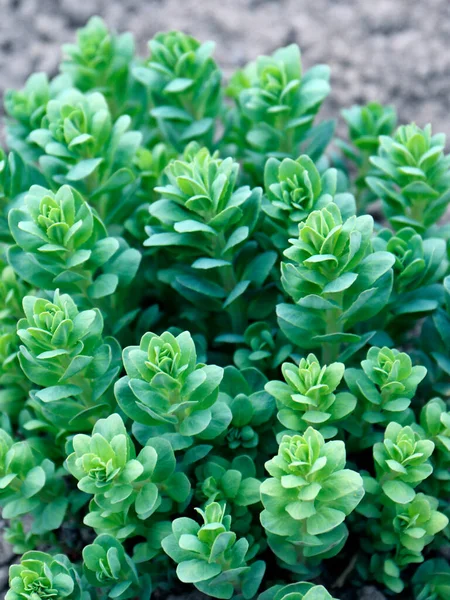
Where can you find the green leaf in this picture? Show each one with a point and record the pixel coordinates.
(192, 571)
(84, 169)
(398, 491)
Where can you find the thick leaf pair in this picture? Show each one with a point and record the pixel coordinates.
(335, 279)
(62, 243)
(171, 394)
(266, 347)
(211, 557)
(107, 467)
(234, 483)
(63, 351)
(307, 498)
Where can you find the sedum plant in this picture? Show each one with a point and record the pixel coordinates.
(211, 557)
(293, 190)
(276, 104)
(106, 565)
(64, 353)
(100, 60)
(335, 279)
(166, 388)
(308, 399)
(384, 387)
(412, 177)
(365, 126)
(216, 369)
(210, 222)
(107, 467)
(307, 498)
(183, 87)
(420, 264)
(40, 575)
(401, 462)
(62, 243)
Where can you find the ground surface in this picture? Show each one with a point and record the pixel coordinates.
(390, 50)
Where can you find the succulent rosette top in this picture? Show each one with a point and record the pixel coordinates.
(166, 387)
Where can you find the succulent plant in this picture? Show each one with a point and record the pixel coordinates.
(100, 61)
(276, 104)
(167, 388)
(211, 557)
(183, 83)
(401, 462)
(307, 498)
(308, 398)
(335, 279)
(40, 575)
(266, 320)
(365, 126)
(412, 177)
(62, 243)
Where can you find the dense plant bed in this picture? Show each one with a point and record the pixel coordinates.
(217, 368)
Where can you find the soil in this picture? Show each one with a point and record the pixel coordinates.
(393, 51)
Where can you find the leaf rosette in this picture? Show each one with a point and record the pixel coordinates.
(385, 386)
(293, 189)
(401, 462)
(64, 352)
(40, 575)
(307, 498)
(100, 61)
(335, 279)
(165, 388)
(107, 565)
(184, 85)
(308, 399)
(276, 104)
(62, 243)
(412, 177)
(211, 557)
(107, 467)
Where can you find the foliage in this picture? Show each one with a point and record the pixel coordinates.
(223, 362)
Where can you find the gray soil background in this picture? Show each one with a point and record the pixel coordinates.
(393, 51)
